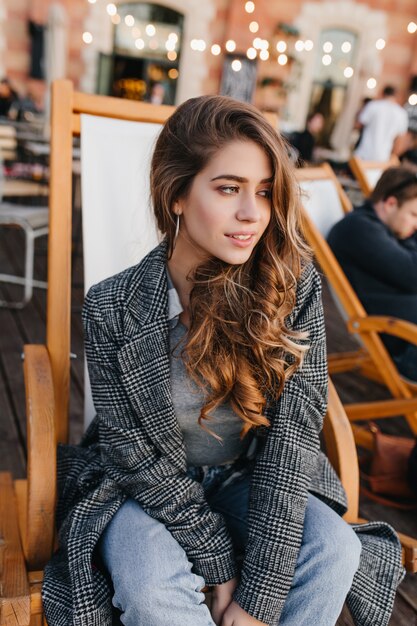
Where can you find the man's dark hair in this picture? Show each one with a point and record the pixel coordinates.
(389, 90)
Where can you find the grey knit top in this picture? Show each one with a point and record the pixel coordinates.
(202, 447)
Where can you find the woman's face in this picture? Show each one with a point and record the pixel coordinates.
(227, 208)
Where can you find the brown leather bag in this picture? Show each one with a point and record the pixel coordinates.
(385, 471)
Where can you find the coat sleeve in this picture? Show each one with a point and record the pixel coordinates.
(284, 468)
(133, 462)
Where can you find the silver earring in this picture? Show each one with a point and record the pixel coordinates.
(177, 227)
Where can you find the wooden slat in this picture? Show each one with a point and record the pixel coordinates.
(381, 409)
(39, 533)
(341, 450)
(13, 187)
(14, 588)
(59, 252)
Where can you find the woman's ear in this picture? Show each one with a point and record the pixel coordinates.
(177, 207)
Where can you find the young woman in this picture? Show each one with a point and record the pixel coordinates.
(208, 369)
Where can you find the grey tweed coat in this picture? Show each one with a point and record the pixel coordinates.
(134, 448)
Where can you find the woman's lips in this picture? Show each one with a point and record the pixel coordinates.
(241, 240)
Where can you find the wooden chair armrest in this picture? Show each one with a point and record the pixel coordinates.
(384, 324)
(38, 535)
(14, 586)
(341, 451)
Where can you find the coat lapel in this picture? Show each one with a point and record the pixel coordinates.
(144, 358)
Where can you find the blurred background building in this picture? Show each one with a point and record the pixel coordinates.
(293, 58)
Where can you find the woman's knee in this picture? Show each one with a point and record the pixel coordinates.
(331, 539)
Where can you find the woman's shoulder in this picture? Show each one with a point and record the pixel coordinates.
(308, 293)
(117, 292)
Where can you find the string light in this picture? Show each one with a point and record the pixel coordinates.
(172, 55)
(215, 49)
(92, 1)
(111, 9)
(299, 45)
(257, 43)
(371, 83)
(170, 45)
(173, 37)
(254, 27)
(150, 30)
(87, 37)
(308, 45)
(249, 7)
(348, 72)
(230, 45)
(326, 59)
(198, 45)
(129, 20)
(281, 46)
(327, 46)
(251, 53)
(412, 27)
(380, 44)
(140, 44)
(236, 65)
(346, 47)
(412, 99)
(264, 55)
(282, 59)
(173, 73)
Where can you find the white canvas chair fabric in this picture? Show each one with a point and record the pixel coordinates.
(373, 175)
(322, 203)
(118, 225)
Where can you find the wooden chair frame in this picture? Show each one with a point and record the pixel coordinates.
(372, 360)
(359, 167)
(27, 507)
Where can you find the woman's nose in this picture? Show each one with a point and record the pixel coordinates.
(248, 210)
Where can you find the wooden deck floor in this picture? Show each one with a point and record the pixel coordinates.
(18, 327)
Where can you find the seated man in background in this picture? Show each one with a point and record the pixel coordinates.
(304, 141)
(376, 245)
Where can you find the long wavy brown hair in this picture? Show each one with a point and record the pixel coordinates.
(238, 348)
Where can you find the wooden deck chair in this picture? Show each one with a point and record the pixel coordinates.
(367, 173)
(320, 189)
(27, 506)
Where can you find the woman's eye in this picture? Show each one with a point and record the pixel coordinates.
(265, 193)
(229, 189)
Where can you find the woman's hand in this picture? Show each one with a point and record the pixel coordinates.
(222, 597)
(234, 615)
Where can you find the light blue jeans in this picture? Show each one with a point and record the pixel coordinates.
(155, 586)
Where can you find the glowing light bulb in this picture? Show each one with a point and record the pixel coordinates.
(249, 7)
(348, 72)
(299, 45)
(346, 46)
(412, 27)
(87, 37)
(215, 49)
(251, 53)
(150, 30)
(371, 83)
(380, 44)
(111, 9)
(281, 46)
(129, 20)
(282, 59)
(326, 59)
(230, 45)
(254, 27)
(236, 65)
